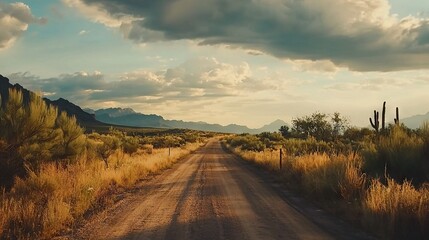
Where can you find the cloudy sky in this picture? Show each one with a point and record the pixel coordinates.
(221, 61)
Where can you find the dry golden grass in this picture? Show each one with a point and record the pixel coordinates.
(397, 210)
(323, 175)
(268, 158)
(50, 201)
(352, 186)
(317, 174)
(391, 210)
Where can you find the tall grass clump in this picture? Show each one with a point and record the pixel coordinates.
(397, 211)
(327, 176)
(269, 158)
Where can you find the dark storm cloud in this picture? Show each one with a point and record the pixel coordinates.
(361, 35)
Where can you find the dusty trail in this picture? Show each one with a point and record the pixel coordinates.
(209, 195)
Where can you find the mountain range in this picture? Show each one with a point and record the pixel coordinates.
(90, 119)
(83, 118)
(128, 117)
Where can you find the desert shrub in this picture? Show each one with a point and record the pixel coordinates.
(247, 142)
(354, 134)
(299, 147)
(423, 132)
(398, 154)
(167, 141)
(190, 137)
(104, 145)
(72, 141)
(271, 140)
(130, 144)
(272, 136)
(292, 146)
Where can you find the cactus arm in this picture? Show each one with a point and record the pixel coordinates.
(383, 117)
(397, 116)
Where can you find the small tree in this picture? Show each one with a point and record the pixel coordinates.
(285, 131)
(28, 134)
(339, 125)
(72, 141)
(316, 126)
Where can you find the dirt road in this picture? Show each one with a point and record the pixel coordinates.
(209, 195)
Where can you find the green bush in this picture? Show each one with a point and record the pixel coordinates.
(299, 147)
(399, 155)
(246, 142)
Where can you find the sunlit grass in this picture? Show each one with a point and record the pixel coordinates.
(319, 173)
(267, 158)
(397, 211)
(50, 201)
(392, 210)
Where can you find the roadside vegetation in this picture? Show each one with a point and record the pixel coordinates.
(53, 175)
(377, 178)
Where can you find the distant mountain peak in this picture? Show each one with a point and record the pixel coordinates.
(415, 121)
(273, 127)
(62, 100)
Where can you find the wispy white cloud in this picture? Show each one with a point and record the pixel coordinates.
(83, 32)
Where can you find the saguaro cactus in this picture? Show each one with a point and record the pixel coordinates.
(397, 116)
(376, 123)
(383, 117)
